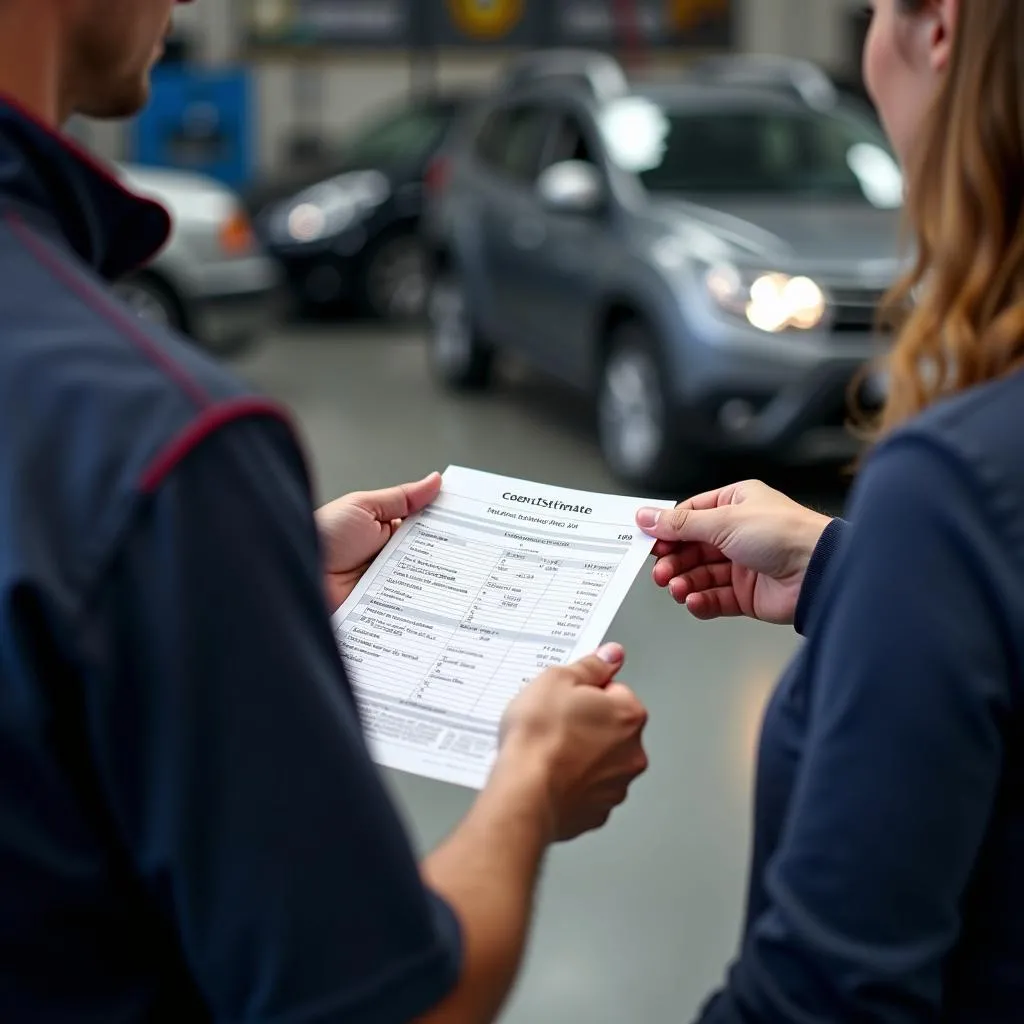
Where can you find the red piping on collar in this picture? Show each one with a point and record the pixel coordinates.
(209, 422)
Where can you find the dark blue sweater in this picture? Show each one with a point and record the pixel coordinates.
(887, 881)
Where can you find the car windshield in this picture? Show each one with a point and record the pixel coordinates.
(751, 151)
(405, 137)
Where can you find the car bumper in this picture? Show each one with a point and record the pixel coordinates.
(788, 402)
(321, 278)
(238, 304)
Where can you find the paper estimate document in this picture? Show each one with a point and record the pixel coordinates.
(473, 598)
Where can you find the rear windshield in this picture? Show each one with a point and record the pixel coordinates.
(750, 151)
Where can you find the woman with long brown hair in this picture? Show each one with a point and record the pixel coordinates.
(887, 880)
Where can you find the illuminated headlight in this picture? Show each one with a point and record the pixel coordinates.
(306, 222)
(330, 208)
(771, 302)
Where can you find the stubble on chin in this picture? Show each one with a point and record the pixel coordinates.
(109, 85)
(116, 101)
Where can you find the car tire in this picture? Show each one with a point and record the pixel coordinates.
(152, 300)
(459, 358)
(395, 284)
(635, 422)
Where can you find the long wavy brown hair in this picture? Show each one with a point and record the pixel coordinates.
(958, 314)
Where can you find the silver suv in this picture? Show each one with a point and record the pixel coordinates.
(705, 255)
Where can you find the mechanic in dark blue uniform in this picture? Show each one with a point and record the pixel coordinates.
(190, 825)
(887, 880)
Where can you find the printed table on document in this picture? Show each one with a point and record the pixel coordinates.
(474, 611)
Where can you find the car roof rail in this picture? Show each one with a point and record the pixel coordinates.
(807, 80)
(599, 73)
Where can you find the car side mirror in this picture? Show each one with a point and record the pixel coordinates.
(572, 187)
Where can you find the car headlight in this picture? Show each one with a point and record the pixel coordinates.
(770, 301)
(329, 208)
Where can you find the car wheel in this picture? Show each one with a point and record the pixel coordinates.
(151, 300)
(396, 282)
(458, 356)
(634, 414)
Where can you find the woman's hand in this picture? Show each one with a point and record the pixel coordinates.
(740, 550)
(355, 528)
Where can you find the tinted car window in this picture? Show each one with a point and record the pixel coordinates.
(405, 137)
(511, 141)
(570, 142)
(767, 151)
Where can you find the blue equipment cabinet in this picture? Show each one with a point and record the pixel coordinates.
(198, 120)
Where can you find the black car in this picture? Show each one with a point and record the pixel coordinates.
(347, 232)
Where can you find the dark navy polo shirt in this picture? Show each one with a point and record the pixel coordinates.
(190, 825)
(887, 882)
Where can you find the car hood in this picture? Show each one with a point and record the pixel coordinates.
(288, 185)
(830, 237)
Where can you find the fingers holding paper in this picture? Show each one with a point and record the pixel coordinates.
(740, 550)
(355, 528)
(584, 732)
(397, 503)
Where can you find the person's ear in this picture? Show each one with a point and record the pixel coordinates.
(945, 18)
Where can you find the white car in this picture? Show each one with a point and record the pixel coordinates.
(212, 280)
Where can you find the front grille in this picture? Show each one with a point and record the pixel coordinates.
(855, 310)
(836, 413)
(839, 410)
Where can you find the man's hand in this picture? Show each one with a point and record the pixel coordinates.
(355, 528)
(571, 744)
(582, 734)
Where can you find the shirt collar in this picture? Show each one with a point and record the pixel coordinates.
(110, 228)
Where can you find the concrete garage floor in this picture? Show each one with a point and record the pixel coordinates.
(637, 923)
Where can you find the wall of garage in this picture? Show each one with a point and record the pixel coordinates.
(349, 85)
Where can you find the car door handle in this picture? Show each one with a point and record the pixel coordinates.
(528, 234)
